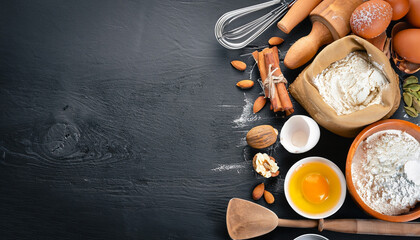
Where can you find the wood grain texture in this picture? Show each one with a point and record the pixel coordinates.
(121, 120)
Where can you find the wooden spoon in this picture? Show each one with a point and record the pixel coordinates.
(245, 219)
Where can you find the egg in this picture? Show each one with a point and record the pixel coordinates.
(371, 18)
(399, 8)
(314, 188)
(406, 43)
(413, 15)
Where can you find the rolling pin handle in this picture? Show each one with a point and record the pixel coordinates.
(375, 227)
(296, 14)
(305, 48)
(321, 225)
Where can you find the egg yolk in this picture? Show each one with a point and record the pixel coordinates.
(315, 188)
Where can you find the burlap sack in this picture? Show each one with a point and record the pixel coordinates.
(349, 125)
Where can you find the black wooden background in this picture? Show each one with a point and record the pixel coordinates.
(121, 120)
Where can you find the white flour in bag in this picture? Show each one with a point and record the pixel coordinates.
(378, 172)
(351, 84)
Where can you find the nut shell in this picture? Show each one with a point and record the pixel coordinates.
(371, 18)
(261, 136)
(254, 164)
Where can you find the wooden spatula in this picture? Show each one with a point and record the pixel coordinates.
(245, 219)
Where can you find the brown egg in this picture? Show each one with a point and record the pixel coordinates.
(413, 15)
(371, 18)
(399, 8)
(406, 43)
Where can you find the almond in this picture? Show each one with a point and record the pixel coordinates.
(275, 41)
(245, 84)
(241, 66)
(261, 136)
(258, 192)
(259, 104)
(269, 198)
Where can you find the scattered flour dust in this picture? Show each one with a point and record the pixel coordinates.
(227, 167)
(247, 115)
(379, 172)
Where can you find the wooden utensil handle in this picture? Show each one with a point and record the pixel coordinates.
(297, 223)
(305, 48)
(299, 11)
(377, 227)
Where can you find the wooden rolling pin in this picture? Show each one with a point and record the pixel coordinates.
(356, 226)
(331, 21)
(299, 11)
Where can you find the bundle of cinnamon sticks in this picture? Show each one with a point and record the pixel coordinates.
(273, 80)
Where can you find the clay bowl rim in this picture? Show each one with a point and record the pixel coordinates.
(369, 130)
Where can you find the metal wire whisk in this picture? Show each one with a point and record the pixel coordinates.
(241, 36)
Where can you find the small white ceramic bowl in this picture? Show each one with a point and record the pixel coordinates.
(311, 236)
(342, 187)
(299, 134)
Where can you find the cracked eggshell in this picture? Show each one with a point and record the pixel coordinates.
(299, 134)
(406, 44)
(400, 62)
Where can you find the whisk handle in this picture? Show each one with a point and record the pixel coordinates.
(305, 48)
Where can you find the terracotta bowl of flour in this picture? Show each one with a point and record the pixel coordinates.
(390, 124)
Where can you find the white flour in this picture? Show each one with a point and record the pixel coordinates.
(351, 84)
(378, 172)
(247, 115)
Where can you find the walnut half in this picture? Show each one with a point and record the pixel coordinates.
(265, 165)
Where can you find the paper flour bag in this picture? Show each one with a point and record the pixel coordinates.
(345, 98)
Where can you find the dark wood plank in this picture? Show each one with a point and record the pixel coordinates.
(121, 120)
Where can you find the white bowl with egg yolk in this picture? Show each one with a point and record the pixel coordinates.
(315, 187)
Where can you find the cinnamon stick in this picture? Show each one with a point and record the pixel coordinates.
(269, 60)
(289, 112)
(281, 87)
(274, 96)
(255, 55)
(275, 52)
(263, 67)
